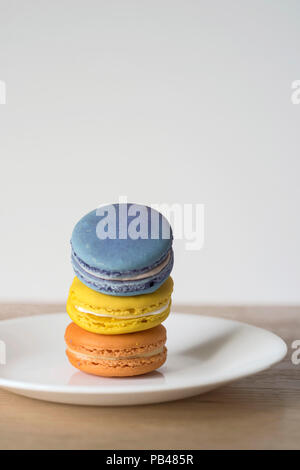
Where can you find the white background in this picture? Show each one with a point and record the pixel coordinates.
(163, 101)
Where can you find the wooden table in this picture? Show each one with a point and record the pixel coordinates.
(260, 412)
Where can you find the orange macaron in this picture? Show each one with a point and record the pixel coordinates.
(118, 355)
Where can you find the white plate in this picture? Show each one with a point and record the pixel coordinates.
(203, 353)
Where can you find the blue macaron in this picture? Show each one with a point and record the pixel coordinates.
(122, 249)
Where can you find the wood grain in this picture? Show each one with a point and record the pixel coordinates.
(260, 412)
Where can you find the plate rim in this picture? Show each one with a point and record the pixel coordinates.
(269, 361)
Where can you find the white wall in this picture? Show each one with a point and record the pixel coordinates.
(162, 101)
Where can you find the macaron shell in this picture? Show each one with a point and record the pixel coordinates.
(116, 253)
(114, 326)
(76, 337)
(122, 368)
(85, 297)
(129, 287)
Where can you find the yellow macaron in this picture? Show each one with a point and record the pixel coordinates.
(112, 315)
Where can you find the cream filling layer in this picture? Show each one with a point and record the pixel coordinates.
(119, 358)
(150, 273)
(108, 315)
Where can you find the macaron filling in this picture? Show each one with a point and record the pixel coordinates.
(129, 317)
(151, 272)
(117, 358)
(118, 276)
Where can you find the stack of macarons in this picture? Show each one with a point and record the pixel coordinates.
(122, 258)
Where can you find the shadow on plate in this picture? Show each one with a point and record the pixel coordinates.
(209, 348)
(82, 379)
